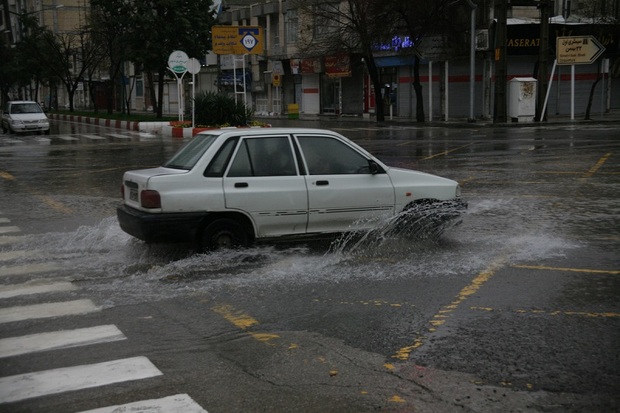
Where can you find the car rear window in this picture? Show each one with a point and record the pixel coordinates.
(191, 152)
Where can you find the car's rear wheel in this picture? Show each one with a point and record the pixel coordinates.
(223, 233)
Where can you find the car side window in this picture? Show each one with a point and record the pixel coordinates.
(329, 156)
(269, 156)
(218, 164)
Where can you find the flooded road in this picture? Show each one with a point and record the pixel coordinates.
(515, 308)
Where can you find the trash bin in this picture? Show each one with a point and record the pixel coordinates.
(522, 99)
(293, 111)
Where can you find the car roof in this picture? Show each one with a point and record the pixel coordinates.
(265, 131)
(22, 101)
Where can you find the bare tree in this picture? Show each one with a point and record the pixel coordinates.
(349, 26)
(424, 18)
(111, 27)
(69, 56)
(358, 26)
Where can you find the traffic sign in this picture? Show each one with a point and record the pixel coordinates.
(177, 61)
(276, 79)
(578, 50)
(237, 39)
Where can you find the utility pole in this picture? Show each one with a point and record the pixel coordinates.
(501, 63)
(543, 58)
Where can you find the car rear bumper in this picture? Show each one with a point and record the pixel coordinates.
(172, 227)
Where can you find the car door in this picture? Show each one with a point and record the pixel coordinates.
(343, 194)
(263, 180)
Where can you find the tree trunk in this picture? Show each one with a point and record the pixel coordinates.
(160, 88)
(373, 72)
(110, 96)
(151, 89)
(598, 79)
(417, 87)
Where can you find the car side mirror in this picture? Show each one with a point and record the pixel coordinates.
(373, 167)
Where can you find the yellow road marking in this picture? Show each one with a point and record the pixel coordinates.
(7, 176)
(597, 166)
(47, 200)
(244, 321)
(555, 313)
(583, 270)
(375, 302)
(396, 399)
(446, 152)
(237, 318)
(58, 206)
(444, 313)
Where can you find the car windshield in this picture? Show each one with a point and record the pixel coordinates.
(190, 153)
(25, 108)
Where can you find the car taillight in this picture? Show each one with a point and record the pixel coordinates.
(150, 199)
(123, 192)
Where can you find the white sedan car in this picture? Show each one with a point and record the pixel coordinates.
(229, 187)
(24, 116)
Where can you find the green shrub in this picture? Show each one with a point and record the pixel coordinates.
(216, 109)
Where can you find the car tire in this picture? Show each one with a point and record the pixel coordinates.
(223, 233)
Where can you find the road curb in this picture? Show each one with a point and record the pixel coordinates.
(165, 129)
(90, 120)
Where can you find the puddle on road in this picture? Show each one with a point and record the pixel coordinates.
(119, 269)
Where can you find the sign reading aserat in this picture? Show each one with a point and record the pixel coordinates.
(237, 39)
(578, 50)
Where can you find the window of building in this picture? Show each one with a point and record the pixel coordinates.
(292, 26)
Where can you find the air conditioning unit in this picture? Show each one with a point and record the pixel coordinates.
(482, 40)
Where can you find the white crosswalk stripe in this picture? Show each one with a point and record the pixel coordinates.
(47, 310)
(13, 255)
(36, 384)
(56, 340)
(25, 386)
(180, 403)
(36, 287)
(9, 229)
(28, 269)
(93, 137)
(119, 136)
(11, 239)
(67, 138)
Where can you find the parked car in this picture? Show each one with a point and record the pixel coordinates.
(24, 116)
(231, 186)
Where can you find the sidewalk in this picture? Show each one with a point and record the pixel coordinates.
(331, 121)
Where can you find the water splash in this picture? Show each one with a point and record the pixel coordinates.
(423, 223)
(118, 269)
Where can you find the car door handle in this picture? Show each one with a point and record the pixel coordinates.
(322, 183)
(241, 185)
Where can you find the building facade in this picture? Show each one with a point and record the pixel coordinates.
(282, 79)
(339, 85)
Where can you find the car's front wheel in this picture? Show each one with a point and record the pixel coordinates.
(223, 233)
